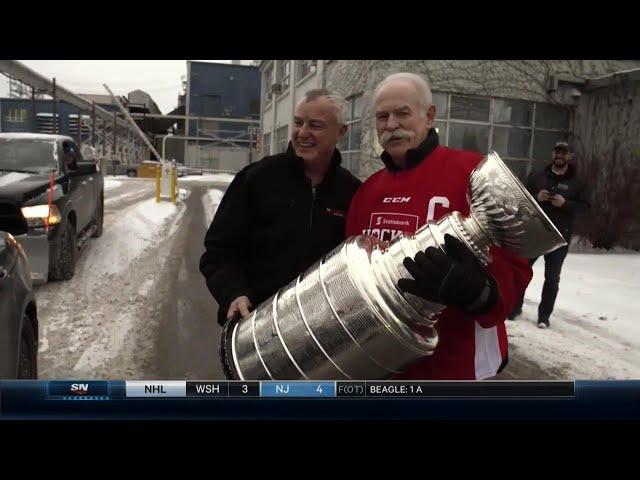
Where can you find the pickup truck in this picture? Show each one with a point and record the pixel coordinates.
(45, 180)
(114, 167)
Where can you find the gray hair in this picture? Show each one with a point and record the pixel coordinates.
(421, 85)
(340, 104)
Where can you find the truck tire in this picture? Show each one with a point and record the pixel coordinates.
(98, 218)
(28, 353)
(63, 263)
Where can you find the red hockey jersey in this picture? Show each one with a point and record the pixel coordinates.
(392, 202)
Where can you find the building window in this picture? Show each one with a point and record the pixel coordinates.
(440, 102)
(282, 139)
(267, 81)
(16, 115)
(44, 122)
(469, 137)
(305, 68)
(523, 133)
(441, 130)
(512, 142)
(470, 108)
(512, 112)
(284, 73)
(85, 130)
(351, 161)
(266, 144)
(350, 146)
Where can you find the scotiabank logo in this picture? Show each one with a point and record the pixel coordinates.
(402, 221)
(387, 226)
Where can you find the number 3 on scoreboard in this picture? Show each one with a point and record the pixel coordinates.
(245, 389)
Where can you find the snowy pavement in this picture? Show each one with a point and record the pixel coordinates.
(121, 316)
(595, 327)
(207, 178)
(110, 184)
(211, 201)
(101, 324)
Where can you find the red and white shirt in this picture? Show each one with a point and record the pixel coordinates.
(391, 202)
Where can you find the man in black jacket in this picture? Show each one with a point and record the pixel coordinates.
(561, 195)
(281, 214)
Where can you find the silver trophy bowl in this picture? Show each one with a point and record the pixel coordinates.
(345, 318)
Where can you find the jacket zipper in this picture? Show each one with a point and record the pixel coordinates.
(314, 194)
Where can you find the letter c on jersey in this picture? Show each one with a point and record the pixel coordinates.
(444, 201)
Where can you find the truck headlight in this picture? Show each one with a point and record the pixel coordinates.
(37, 214)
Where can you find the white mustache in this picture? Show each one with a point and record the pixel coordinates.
(386, 137)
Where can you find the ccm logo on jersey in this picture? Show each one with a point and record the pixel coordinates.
(396, 200)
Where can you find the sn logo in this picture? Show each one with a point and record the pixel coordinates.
(79, 388)
(396, 200)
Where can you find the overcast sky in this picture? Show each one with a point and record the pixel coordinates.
(159, 78)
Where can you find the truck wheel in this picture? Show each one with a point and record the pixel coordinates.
(98, 218)
(131, 173)
(28, 354)
(63, 264)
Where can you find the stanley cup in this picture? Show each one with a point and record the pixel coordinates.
(345, 318)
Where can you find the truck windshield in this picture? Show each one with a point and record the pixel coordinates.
(22, 155)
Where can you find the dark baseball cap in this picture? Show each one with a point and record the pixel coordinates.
(562, 145)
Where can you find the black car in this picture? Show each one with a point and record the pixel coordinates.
(18, 311)
(48, 183)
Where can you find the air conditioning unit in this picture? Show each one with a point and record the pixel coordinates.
(276, 88)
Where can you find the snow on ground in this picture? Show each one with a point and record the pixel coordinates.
(103, 323)
(123, 196)
(208, 178)
(183, 194)
(595, 326)
(134, 232)
(110, 183)
(210, 202)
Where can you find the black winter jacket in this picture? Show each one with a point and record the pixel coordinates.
(567, 185)
(271, 226)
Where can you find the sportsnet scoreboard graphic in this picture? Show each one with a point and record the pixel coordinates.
(308, 389)
(176, 399)
(341, 389)
(305, 389)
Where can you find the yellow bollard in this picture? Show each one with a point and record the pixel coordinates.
(174, 185)
(158, 171)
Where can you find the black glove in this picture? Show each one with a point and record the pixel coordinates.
(456, 278)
